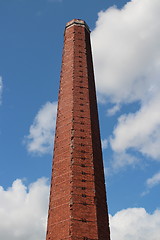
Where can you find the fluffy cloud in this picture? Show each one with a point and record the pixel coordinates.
(1, 87)
(41, 132)
(127, 68)
(154, 180)
(23, 214)
(151, 182)
(23, 210)
(122, 159)
(126, 50)
(140, 130)
(112, 111)
(135, 224)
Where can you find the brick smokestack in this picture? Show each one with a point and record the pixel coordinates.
(77, 207)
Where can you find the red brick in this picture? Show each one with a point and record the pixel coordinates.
(77, 207)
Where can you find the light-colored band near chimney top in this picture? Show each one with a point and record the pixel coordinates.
(77, 22)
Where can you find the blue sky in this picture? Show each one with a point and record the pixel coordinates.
(125, 40)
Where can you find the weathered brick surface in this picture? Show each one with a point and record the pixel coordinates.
(77, 207)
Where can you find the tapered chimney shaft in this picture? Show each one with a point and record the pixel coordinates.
(77, 206)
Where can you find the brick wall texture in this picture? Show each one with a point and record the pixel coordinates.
(77, 206)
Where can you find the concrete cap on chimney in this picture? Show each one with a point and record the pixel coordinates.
(77, 22)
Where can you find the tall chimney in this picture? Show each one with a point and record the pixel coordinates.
(77, 207)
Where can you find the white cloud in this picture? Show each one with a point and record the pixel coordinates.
(140, 130)
(122, 159)
(104, 143)
(126, 50)
(1, 88)
(126, 53)
(112, 111)
(23, 215)
(135, 224)
(154, 180)
(151, 182)
(23, 210)
(119, 161)
(41, 132)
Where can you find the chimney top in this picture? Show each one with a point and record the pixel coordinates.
(77, 22)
